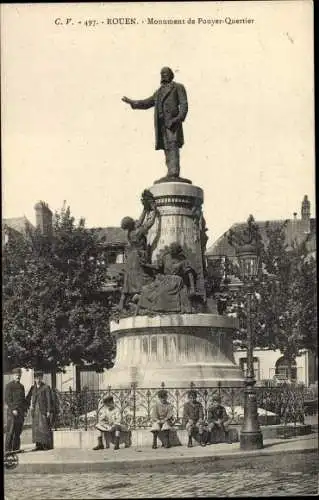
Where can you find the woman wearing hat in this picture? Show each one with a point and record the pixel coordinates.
(109, 424)
(39, 399)
(14, 398)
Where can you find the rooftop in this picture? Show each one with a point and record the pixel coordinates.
(18, 224)
(114, 236)
(294, 230)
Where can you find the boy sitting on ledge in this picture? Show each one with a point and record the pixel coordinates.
(193, 418)
(218, 422)
(109, 425)
(162, 416)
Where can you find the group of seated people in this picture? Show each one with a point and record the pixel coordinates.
(110, 426)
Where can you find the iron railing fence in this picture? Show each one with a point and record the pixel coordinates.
(282, 404)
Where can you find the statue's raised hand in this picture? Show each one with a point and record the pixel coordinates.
(127, 100)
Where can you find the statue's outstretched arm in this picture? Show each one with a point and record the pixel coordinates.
(140, 103)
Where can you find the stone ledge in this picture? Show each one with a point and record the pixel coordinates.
(81, 439)
(200, 320)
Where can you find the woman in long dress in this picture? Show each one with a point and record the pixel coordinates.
(39, 399)
(136, 274)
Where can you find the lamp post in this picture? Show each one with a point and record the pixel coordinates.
(250, 436)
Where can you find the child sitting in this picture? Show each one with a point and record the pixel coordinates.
(218, 421)
(109, 424)
(193, 419)
(162, 417)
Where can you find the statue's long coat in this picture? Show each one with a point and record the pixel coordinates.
(171, 101)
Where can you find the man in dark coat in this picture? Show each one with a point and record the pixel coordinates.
(170, 110)
(15, 400)
(40, 400)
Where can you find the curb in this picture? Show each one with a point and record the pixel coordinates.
(149, 464)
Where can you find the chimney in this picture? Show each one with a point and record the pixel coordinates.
(43, 217)
(305, 214)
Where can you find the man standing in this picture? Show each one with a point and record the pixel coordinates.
(15, 400)
(170, 110)
(39, 399)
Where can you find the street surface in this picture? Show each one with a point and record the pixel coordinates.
(281, 475)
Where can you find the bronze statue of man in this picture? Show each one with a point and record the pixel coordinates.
(170, 110)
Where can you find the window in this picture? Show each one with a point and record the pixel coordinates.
(281, 369)
(88, 378)
(120, 258)
(111, 257)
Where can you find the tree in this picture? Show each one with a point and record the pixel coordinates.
(54, 312)
(284, 309)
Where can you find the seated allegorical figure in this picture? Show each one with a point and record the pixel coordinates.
(218, 421)
(174, 285)
(162, 418)
(193, 419)
(109, 424)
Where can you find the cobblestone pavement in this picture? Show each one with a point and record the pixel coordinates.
(253, 478)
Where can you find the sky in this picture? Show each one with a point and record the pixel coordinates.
(249, 132)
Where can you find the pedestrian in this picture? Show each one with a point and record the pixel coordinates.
(109, 425)
(193, 419)
(15, 400)
(39, 399)
(218, 420)
(163, 418)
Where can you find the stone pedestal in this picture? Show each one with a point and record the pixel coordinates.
(176, 349)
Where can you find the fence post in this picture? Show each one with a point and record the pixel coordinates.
(134, 403)
(177, 404)
(85, 409)
(148, 399)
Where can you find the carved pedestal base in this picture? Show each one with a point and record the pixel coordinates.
(176, 349)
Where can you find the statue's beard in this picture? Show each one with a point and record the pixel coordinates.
(165, 82)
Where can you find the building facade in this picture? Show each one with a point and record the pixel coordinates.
(269, 364)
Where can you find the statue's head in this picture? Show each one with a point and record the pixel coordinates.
(175, 249)
(167, 75)
(127, 223)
